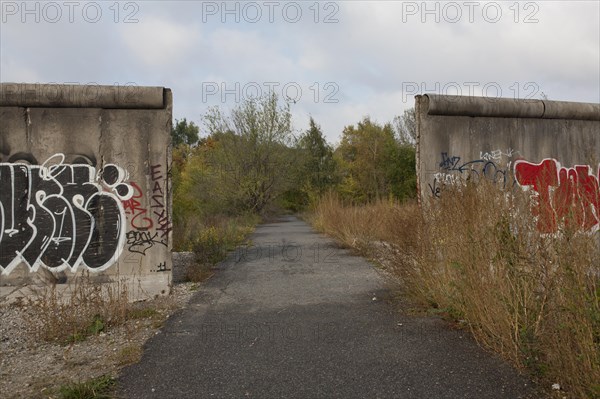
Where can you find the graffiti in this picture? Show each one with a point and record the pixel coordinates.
(436, 191)
(59, 215)
(138, 215)
(158, 204)
(449, 163)
(569, 195)
(497, 155)
(453, 171)
(564, 194)
(150, 223)
(441, 179)
(141, 241)
(162, 267)
(474, 170)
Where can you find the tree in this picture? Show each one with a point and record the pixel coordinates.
(318, 163)
(184, 133)
(365, 156)
(406, 127)
(374, 163)
(252, 155)
(402, 172)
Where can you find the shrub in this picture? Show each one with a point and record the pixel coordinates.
(211, 244)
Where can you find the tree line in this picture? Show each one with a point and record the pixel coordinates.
(250, 160)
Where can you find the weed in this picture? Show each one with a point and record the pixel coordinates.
(85, 309)
(97, 388)
(97, 325)
(75, 337)
(212, 241)
(129, 355)
(199, 272)
(143, 313)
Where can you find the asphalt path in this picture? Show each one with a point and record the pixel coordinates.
(295, 316)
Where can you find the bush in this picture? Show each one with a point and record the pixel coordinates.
(215, 239)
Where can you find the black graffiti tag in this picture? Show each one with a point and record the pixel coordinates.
(454, 171)
(158, 202)
(61, 215)
(141, 241)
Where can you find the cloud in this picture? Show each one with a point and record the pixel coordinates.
(384, 53)
(17, 72)
(372, 53)
(160, 43)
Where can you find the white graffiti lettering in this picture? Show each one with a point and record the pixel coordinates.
(60, 216)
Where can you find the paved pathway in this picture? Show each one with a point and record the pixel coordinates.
(297, 317)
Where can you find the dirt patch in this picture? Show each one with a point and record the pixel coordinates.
(32, 368)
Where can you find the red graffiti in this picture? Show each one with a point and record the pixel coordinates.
(133, 208)
(155, 214)
(571, 195)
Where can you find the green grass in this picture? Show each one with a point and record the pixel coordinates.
(211, 240)
(143, 313)
(97, 388)
(129, 355)
(95, 327)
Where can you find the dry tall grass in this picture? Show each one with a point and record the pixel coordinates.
(85, 308)
(210, 238)
(476, 255)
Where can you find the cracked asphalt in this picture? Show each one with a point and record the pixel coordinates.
(295, 316)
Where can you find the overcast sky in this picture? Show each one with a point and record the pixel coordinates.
(335, 61)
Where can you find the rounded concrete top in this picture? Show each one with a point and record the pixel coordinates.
(81, 96)
(509, 108)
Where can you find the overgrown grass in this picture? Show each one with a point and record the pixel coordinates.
(477, 255)
(86, 309)
(83, 309)
(211, 238)
(97, 388)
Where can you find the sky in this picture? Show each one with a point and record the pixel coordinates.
(337, 62)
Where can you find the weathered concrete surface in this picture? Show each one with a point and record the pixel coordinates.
(85, 186)
(296, 317)
(514, 143)
(436, 104)
(81, 96)
(182, 262)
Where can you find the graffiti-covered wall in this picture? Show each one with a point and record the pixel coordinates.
(84, 184)
(549, 147)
